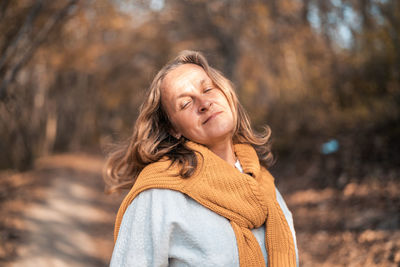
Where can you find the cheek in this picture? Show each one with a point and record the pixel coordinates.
(228, 108)
(222, 100)
(184, 122)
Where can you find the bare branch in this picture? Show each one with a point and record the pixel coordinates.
(41, 36)
(3, 8)
(13, 45)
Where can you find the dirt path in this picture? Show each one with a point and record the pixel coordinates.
(61, 215)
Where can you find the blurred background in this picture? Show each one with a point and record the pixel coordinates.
(324, 75)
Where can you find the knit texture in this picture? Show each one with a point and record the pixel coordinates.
(246, 199)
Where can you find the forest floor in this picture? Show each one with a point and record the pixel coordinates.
(58, 215)
(358, 225)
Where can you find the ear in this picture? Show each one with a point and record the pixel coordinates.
(171, 129)
(175, 133)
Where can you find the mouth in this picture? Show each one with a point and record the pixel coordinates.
(212, 117)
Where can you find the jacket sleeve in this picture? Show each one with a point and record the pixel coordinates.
(143, 238)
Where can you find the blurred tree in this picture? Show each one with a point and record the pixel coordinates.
(20, 41)
(75, 73)
(24, 26)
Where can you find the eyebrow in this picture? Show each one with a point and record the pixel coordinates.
(182, 95)
(202, 82)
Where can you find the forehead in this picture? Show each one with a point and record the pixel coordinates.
(184, 77)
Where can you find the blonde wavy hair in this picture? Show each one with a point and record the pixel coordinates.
(152, 140)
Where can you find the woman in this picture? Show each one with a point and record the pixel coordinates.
(201, 194)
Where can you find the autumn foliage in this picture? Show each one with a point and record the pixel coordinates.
(73, 73)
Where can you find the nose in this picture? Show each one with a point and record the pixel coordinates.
(204, 104)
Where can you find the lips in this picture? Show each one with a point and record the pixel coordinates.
(212, 117)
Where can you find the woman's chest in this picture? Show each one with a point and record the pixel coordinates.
(201, 237)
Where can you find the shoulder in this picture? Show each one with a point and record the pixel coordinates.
(161, 167)
(169, 211)
(162, 203)
(160, 196)
(160, 174)
(157, 208)
(169, 206)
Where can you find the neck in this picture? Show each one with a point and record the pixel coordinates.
(225, 151)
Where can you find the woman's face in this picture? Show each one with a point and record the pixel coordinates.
(197, 109)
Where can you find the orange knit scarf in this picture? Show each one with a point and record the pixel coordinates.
(246, 199)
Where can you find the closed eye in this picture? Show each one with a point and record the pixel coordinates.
(185, 104)
(208, 90)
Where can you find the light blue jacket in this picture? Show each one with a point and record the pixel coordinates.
(163, 227)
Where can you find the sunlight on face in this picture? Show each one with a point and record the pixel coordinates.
(196, 107)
